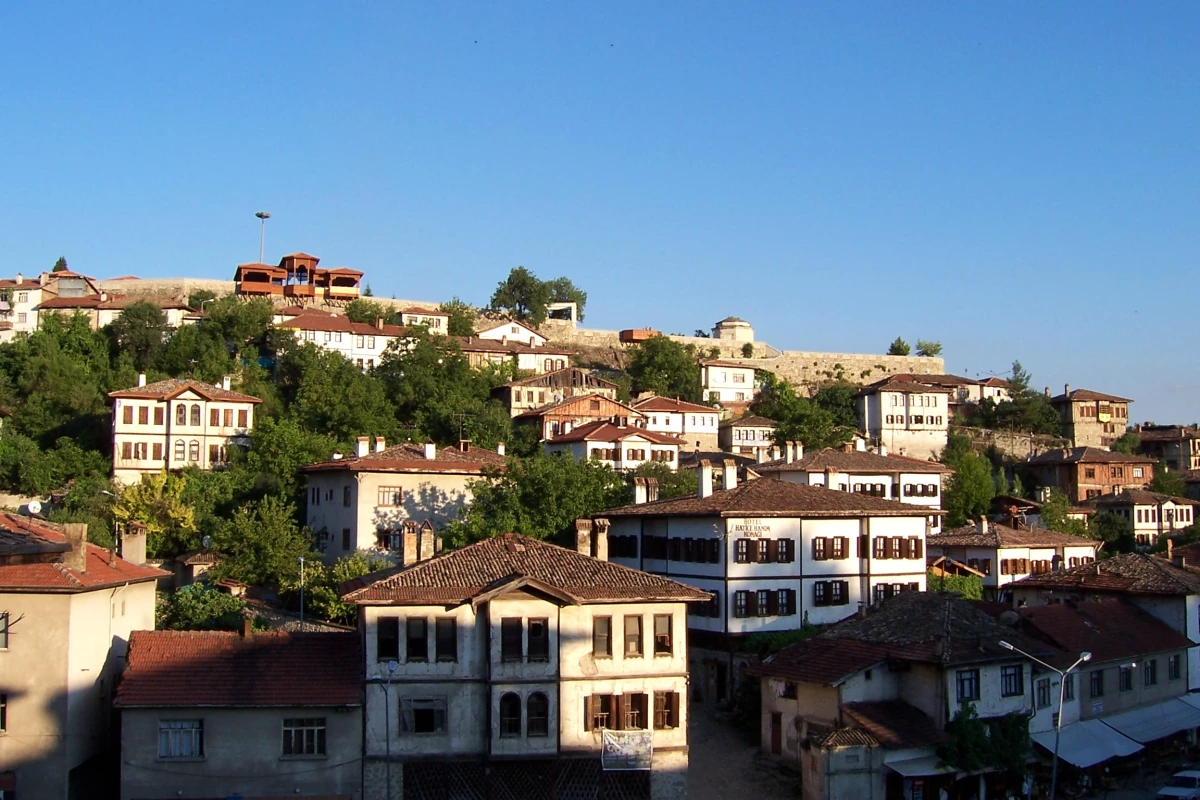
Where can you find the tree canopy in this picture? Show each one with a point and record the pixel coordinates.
(666, 368)
(826, 422)
(462, 317)
(969, 492)
(928, 349)
(899, 347)
(523, 296)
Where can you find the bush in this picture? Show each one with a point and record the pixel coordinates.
(200, 607)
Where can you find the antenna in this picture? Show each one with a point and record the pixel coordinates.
(206, 542)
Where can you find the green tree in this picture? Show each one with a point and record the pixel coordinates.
(969, 586)
(540, 496)
(1027, 410)
(1115, 531)
(278, 449)
(197, 351)
(899, 348)
(325, 392)
(562, 290)
(157, 503)
(1127, 443)
(462, 317)
(197, 299)
(367, 311)
(928, 349)
(60, 265)
(748, 350)
(261, 544)
(321, 594)
(801, 419)
(671, 482)
(140, 330)
(200, 607)
(242, 324)
(1054, 515)
(1167, 482)
(522, 296)
(969, 493)
(665, 367)
(840, 400)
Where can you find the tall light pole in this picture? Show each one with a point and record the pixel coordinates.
(301, 593)
(1062, 688)
(387, 727)
(263, 216)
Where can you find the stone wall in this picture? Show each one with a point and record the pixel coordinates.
(1014, 444)
(182, 287)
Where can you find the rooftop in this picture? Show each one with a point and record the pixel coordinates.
(1109, 629)
(186, 669)
(1167, 433)
(173, 387)
(473, 344)
(894, 723)
(409, 457)
(1141, 497)
(1087, 395)
(908, 384)
(853, 461)
(1085, 455)
(309, 321)
(604, 431)
(671, 405)
(998, 535)
(1128, 573)
(569, 376)
(752, 421)
(493, 566)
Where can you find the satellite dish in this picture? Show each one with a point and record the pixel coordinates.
(206, 542)
(34, 506)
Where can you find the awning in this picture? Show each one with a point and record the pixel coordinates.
(1087, 742)
(920, 767)
(1156, 721)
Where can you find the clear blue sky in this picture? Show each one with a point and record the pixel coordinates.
(1017, 180)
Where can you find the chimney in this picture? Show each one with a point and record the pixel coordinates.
(729, 474)
(247, 628)
(226, 382)
(1066, 388)
(639, 491)
(379, 323)
(380, 444)
(831, 478)
(600, 540)
(789, 452)
(20, 277)
(426, 547)
(651, 489)
(464, 445)
(335, 456)
(583, 536)
(760, 455)
(1170, 549)
(364, 446)
(775, 454)
(76, 537)
(410, 536)
(799, 450)
(983, 525)
(133, 543)
(1047, 391)
(883, 451)
(430, 451)
(141, 379)
(500, 448)
(705, 487)
(860, 445)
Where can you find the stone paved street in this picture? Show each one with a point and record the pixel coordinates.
(722, 766)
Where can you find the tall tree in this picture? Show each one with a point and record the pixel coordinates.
(262, 544)
(367, 311)
(199, 298)
(899, 348)
(327, 393)
(522, 296)
(840, 400)
(562, 290)
(969, 493)
(60, 265)
(665, 367)
(140, 330)
(462, 317)
(1168, 482)
(928, 349)
(671, 482)
(157, 503)
(801, 419)
(243, 324)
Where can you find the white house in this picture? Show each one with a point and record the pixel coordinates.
(537, 359)
(393, 499)
(773, 555)
(727, 383)
(750, 435)
(964, 391)
(436, 321)
(514, 661)
(1152, 514)
(177, 423)
(908, 418)
(511, 331)
(549, 388)
(19, 301)
(622, 447)
(360, 343)
(697, 425)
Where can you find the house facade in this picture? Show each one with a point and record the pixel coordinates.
(177, 423)
(196, 723)
(1091, 419)
(908, 418)
(357, 342)
(515, 663)
(537, 359)
(547, 389)
(1151, 514)
(511, 331)
(103, 309)
(391, 499)
(567, 415)
(751, 435)
(773, 555)
(727, 383)
(433, 320)
(1178, 446)
(1083, 473)
(67, 609)
(624, 447)
(697, 425)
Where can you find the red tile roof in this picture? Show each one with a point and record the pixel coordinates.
(1085, 455)
(604, 431)
(1141, 497)
(672, 406)
(854, 461)
(567, 378)
(751, 421)
(215, 669)
(409, 457)
(1083, 395)
(473, 344)
(433, 312)
(895, 723)
(338, 324)
(908, 384)
(1128, 573)
(173, 387)
(1108, 629)
(460, 576)
(770, 498)
(998, 535)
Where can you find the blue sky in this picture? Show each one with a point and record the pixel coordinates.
(1016, 180)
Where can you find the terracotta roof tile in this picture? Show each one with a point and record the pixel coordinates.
(820, 736)
(460, 576)
(604, 431)
(566, 378)
(1084, 395)
(1085, 455)
(1128, 573)
(671, 405)
(1108, 629)
(1141, 497)
(1004, 536)
(223, 669)
(903, 383)
(752, 421)
(173, 387)
(410, 457)
(1167, 433)
(338, 324)
(854, 461)
(473, 344)
(895, 723)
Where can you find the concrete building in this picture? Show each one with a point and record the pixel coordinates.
(1151, 514)
(514, 663)
(540, 391)
(908, 418)
(67, 609)
(506, 331)
(379, 500)
(537, 359)
(254, 715)
(21, 298)
(621, 446)
(1178, 446)
(908, 480)
(177, 423)
(774, 555)
(1091, 419)
(567, 415)
(433, 320)
(297, 277)
(964, 391)
(697, 425)
(752, 435)
(360, 343)
(1082, 473)
(727, 383)
(733, 329)
(1004, 554)
(103, 309)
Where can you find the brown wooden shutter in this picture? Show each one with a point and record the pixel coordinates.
(620, 703)
(919, 546)
(1004, 566)
(908, 550)
(714, 553)
(772, 551)
(752, 604)
(772, 604)
(673, 709)
(588, 711)
(845, 546)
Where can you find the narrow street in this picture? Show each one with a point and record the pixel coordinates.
(722, 765)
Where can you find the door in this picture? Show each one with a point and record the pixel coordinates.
(776, 734)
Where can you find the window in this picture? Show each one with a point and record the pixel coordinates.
(741, 604)
(662, 634)
(741, 551)
(243, 418)
(635, 711)
(214, 417)
(786, 551)
(599, 711)
(345, 538)
(820, 553)
(1125, 679)
(537, 716)
(602, 637)
(633, 637)
(1089, 472)
(1043, 692)
(387, 639)
(511, 633)
(1138, 472)
(422, 715)
(1173, 671)
(510, 715)
(143, 415)
(181, 738)
(215, 454)
(1097, 683)
(786, 602)
(840, 545)
(3, 713)
(304, 736)
(195, 416)
(1150, 672)
(346, 496)
(4, 630)
(158, 415)
(447, 639)
(416, 638)
(194, 451)
(390, 496)
(839, 593)
(880, 546)
(539, 640)
(821, 593)
(967, 681)
(127, 415)
(666, 710)
(227, 419)
(181, 414)
(763, 602)
(1012, 681)
(126, 451)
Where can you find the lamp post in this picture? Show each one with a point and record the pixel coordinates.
(263, 216)
(1062, 688)
(387, 727)
(301, 593)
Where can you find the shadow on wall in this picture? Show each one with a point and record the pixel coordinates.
(426, 502)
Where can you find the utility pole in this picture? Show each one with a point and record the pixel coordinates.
(263, 216)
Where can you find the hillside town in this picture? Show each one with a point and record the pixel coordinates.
(275, 536)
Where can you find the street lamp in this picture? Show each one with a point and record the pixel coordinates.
(1062, 688)
(263, 216)
(387, 727)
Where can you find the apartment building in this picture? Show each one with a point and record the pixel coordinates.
(727, 383)
(909, 418)
(540, 391)
(1082, 473)
(1151, 514)
(513, 663)
(67, 609)
(359, 343)
(391, 500)
(1178, 446)
(21, 298)
(697, 425)
(177, 423)
(622, 446)
(1091, 419)
(773, 555)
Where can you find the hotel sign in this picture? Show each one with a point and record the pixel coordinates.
(750, 528)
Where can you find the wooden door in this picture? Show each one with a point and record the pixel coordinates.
(776, 734)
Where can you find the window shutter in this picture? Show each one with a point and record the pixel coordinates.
(844, 547)
(588, 711)
(714, 553)
(773, 551)
(772, 604)
(620, 704)
(918, 547)
(845, 592)
(1004, 566)
(673, 709)
(751, 604)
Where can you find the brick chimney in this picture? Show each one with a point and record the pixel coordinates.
(426, 546)
(411, 551)
(704, 486)
(76, 533)
(600, 539)
(583, 536)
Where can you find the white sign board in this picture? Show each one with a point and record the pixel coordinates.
(626, 750)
